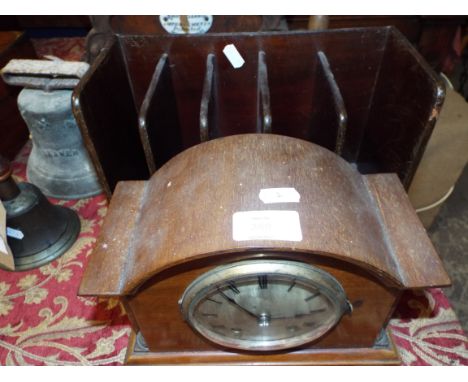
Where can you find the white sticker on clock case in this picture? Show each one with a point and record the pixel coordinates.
(266, 225)
(279, 195)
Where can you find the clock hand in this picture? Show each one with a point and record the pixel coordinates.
(232, 301)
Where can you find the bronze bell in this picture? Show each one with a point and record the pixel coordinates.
(59, 163)
(38, 231)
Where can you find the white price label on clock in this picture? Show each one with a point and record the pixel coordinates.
(266, 225)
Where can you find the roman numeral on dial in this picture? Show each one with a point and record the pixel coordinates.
(312, 296)
(263, 282)
(293, 284)
(232, 286)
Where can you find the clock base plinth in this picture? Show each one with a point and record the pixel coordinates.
(381, 355)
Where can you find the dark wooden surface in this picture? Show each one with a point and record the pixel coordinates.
(158, 119)
(13, 130)
(291, 77)
(151, 25)
(106, 114)
(330, 112)
(377, 91)
(410, 26)
(406, 94)
(432, 35)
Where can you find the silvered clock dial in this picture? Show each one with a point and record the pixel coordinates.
(263, 305)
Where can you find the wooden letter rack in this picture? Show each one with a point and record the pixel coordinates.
(364, 93)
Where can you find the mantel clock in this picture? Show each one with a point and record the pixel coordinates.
(261, 249)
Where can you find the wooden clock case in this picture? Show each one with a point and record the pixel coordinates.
(160, 234)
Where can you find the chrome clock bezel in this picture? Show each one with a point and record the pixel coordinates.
(302, 272)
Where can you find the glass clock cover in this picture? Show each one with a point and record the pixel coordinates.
(263, 305)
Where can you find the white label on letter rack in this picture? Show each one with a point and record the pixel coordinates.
(233, 55)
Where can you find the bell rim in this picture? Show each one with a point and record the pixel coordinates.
(56, 250)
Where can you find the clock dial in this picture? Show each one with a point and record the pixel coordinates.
(263, 304)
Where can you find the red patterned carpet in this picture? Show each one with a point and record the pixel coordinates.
(44, 322)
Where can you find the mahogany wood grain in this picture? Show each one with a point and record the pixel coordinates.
(186, 213)
(386, 144)
(433, 35)
(114, 245)
(155, 305)
(105, 112)
(389, 96)
(292, 61)
(331, 111)
(409, 242)
(158, 122)
(331, 357)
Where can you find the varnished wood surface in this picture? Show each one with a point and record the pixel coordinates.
(418, 263)
(388, 94)
(186, 214)
(432, 35)
(106, 115)
(332, 357)
(394, 105)
(122, 218)
(354, 56)
(332, 111)
(158, 120)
